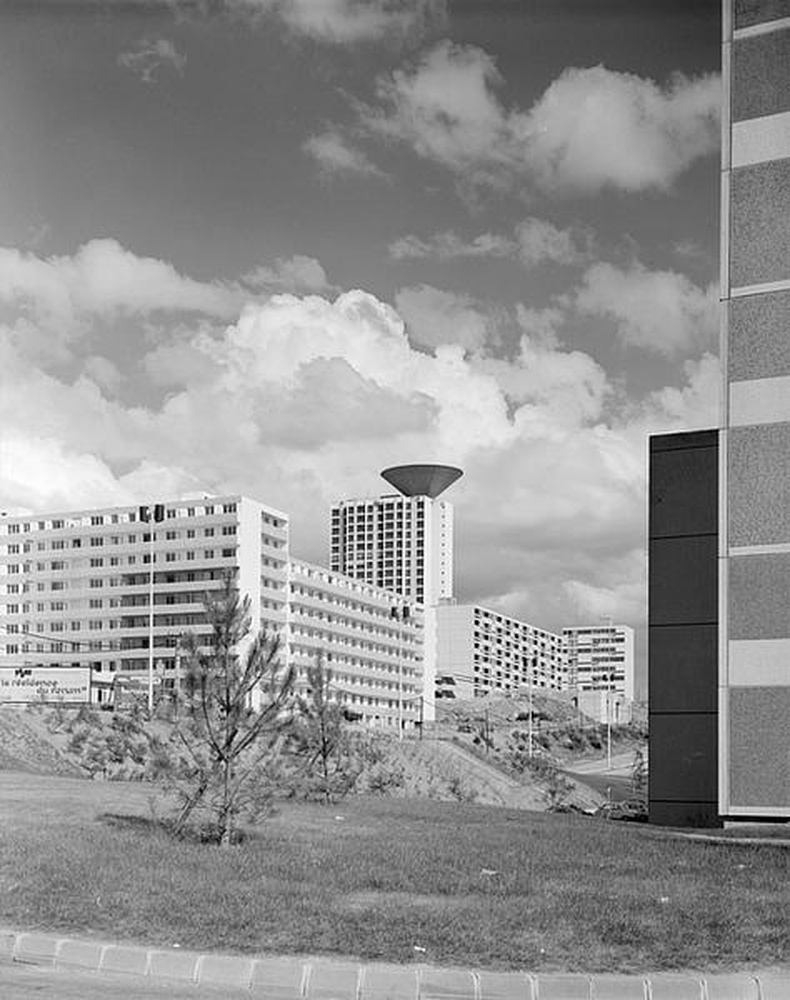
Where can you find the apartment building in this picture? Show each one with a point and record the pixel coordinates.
(77, 589)
(375, 654)
(479, 651)
(600, 658)
(76, 586)
(402, 542)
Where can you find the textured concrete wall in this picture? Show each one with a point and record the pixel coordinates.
(754, 550)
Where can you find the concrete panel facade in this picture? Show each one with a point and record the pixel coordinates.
(683, 629)
(759, 336)
(760, 223)
(754, 550)
(749, 13)
(759, 495)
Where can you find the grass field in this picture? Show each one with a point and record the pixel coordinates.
(391, 880)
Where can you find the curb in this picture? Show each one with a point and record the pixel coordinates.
(312, 978)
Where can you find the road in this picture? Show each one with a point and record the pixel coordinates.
(614, 784)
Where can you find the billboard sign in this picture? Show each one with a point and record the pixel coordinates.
(23, 685)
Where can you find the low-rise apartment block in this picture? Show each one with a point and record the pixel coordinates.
(479, 651)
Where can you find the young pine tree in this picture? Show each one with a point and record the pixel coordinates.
(235, 709)
(320, 740)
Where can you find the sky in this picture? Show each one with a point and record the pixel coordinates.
(272, 247)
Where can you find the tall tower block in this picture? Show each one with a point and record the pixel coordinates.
(402, 541)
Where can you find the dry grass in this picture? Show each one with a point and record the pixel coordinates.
(380, 879)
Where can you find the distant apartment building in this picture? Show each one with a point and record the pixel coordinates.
(402, 542)
(76, 587)
(479, 652)
(600, 658)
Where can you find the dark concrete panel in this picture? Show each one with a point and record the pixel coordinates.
(749, 12)
(678, 440)
(684, 757)
(684, 491)
(683, 668)
(759, 336)
(695, 814)
(759, 607)
(759, 742)
(759, 485)
(683, 581)
(761, 75)
(760, 223)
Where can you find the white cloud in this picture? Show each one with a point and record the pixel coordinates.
(104, 373)
(534, 241)
(150, 56)
(660, 311)
(103, 279)
(435, 317)
(692, 406)
(448, 245)
(539, 240)
(288, 274)
(350, 21)
(335, 156)
(302, 400)
(593, 128)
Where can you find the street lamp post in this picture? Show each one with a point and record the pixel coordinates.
(158, 512)
(609, 679)
(401, 614)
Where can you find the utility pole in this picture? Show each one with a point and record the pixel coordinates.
(609, 678)
(158, 512)
(531, 680)
(401, 614)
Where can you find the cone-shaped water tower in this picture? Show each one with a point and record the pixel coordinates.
(422, 480)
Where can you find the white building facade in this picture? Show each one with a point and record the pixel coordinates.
(76, 587)
(376, 659)
(401, 543)
(480, 651)
(600, 663)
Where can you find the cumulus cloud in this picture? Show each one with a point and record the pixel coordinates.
(593, 128)
(103, 279)
(150, 56)
(660, 311)
(288, 274)
(435, 317)
(345, 22)
(300, 400)
(335, 155)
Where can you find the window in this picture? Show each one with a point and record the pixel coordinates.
(97, 519)
(76, 543)
(208, 532)
(228, 553)
(208, 553)
(97, 562)
(96, 582)
(97, 542)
